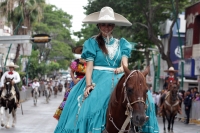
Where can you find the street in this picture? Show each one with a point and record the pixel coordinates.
(180, 127)
(39, 119)
(36, 119)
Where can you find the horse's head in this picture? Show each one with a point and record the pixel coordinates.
(8, 85)
(174, 91)
(135, 94)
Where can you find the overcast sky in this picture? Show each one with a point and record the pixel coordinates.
(74, 8)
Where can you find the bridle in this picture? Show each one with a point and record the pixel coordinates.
(140, 99)
(9, 96)
(129, 108)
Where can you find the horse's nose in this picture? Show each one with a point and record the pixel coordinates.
(140, 119)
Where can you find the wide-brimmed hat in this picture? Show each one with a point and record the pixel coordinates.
(106, 15)
(35, 79)
(77, 50)
(11, 64)
(171, 69)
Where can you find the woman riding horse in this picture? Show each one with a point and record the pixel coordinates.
(87, 102)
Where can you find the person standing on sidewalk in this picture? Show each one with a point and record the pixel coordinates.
(188, 105)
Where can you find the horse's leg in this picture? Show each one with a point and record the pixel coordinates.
(14, 117)
(2, 112)
(36, 99)
(169, 119)
(8, 117)
(172, 121)
(164, 123)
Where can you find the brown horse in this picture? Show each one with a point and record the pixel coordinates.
(126, 109)
(170, 106)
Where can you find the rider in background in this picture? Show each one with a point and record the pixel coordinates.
(16, 79)
(171, 78)
(34, 85)
(42, 87)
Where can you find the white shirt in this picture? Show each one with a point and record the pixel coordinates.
(154, 98)
(158, 99)
(15, 76)
(35, 84)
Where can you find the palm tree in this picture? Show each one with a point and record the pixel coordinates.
(29, 11)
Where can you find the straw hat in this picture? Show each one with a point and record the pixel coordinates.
(106, 15)
(35, 79)
(171, 69)
(11, 64)
(77, 50)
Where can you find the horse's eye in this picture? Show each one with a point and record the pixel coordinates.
(129, 90)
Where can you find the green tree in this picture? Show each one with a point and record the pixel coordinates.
(56, 23)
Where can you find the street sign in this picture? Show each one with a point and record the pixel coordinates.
(41, 38)
(15, 39)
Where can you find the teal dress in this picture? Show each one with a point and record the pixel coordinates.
(89, 115)
(151, 126)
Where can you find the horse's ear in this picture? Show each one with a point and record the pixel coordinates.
(126, 70)
(12, 78)
(146, 71)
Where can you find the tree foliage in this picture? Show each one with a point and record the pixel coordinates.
(57, 24)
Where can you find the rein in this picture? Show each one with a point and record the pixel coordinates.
(129, 108)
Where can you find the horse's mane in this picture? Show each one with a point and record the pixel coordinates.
(137, 78)
(113, 99)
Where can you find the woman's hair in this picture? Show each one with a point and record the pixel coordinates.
(101, 43)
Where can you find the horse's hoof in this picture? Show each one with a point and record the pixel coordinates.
(2, 125)
(13, 125)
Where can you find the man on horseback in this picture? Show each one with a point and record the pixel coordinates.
(169, 80)
(34, 85)
(16, 79)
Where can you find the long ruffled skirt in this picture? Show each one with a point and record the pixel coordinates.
(88, 115)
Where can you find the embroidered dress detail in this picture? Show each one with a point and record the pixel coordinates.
(112, 49)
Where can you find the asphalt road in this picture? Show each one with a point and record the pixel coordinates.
(36, 119)
(39, 119)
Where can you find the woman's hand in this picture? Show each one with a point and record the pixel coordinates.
(118, 70)
(88, 90)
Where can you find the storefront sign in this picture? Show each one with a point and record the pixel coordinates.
(189, 65)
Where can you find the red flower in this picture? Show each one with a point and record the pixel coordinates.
(10, 72)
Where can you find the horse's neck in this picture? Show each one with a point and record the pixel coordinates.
(36, 89)
(6, 91)
(171, 98)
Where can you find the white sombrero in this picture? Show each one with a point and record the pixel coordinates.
(171, 69)
(11, 64)
(106, 15)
